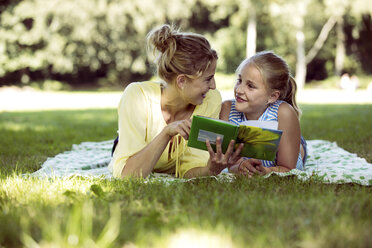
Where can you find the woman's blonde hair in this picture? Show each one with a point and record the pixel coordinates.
(180, 53)
(276, 75)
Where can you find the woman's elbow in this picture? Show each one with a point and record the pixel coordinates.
(127, 172)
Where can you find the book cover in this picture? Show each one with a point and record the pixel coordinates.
(203, 128)
(261, 143)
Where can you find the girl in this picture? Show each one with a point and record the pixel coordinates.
(265, 90)
(154, 118)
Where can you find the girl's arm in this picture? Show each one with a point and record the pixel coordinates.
(225, 110)
(289, 146)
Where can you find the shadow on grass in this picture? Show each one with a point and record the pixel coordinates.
(28, 138)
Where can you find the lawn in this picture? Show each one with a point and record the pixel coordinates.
(257, 212)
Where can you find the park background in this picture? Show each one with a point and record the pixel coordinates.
(63, 67)
(62, 44)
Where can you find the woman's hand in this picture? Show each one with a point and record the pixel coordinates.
(219, 161)
(251, 167)
(178, 127)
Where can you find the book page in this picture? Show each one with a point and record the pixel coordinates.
(262, 124)
(261, 143)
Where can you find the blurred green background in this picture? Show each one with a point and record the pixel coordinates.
(86, 43)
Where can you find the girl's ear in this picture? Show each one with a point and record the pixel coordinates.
(180, 81)
(274, 96)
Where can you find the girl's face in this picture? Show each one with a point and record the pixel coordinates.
(196, 90)
(251, 95)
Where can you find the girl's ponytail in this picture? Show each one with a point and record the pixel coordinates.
(290, 95)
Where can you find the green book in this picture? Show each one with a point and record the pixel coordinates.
(261, 138)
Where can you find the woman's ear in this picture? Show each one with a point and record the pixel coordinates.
(274, 96)
(180, 81)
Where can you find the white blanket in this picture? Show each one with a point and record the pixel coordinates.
(326, 162)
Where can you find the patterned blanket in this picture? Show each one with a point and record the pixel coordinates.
(326, 162)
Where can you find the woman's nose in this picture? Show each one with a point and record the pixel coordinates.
(212, 85)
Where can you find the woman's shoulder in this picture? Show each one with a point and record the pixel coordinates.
(211, 105)
(144, 86)
(147, 88)
(213, 98)
(214, 95)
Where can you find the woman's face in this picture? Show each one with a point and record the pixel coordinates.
(250, 92)
(196, 90)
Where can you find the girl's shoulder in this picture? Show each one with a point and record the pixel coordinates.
(285, 107)
(227, 103)
(286, 111)
(225, 109)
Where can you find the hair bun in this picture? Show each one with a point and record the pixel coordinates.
(163, 38)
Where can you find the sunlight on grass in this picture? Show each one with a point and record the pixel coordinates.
(225, 81)
(193, 237)
(23, 100)
(25, 190)
(76, 231)
(11, 126)
(333, 82)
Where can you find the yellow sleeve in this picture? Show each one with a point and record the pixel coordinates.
(211, 106)
(193, 157)
(215, 110)
(132, 115)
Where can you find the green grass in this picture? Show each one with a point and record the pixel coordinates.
(257, 212)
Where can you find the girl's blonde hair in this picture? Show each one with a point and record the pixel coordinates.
(180, 53)
(276, 75)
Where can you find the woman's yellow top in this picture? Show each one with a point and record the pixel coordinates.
(141, 120)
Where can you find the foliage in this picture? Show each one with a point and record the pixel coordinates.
(74, 41)
(103, 41)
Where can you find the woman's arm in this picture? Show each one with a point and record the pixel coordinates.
(142, 163)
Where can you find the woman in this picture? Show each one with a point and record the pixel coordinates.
(154, 118)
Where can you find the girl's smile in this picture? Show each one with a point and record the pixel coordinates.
(251, 94)
(239, 99)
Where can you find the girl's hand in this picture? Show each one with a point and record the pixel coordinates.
(251, 167)
(219, 161)
(179, 127)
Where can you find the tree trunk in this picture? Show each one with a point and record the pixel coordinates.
(251, 33)
(301, 60)
(340, 47)
(321, 39)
